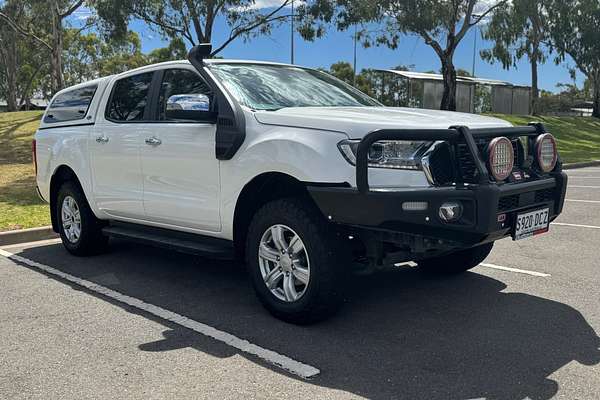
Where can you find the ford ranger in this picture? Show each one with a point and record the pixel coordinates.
(293, 171)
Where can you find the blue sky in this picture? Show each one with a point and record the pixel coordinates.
(338, 46)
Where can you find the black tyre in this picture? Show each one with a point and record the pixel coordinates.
(296, 261)
(80, 230)
(457, 262)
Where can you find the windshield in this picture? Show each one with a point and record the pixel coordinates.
(271, 87)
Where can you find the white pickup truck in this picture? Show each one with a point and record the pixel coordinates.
(292, 170)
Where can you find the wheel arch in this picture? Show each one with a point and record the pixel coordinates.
(257, 192)
(62, 174)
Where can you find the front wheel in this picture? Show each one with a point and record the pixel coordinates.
(460, 261)
(295, 261)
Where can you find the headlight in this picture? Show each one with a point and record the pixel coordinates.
(398, 154)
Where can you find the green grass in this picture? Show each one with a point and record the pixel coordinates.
(578, 138)
(20, 206)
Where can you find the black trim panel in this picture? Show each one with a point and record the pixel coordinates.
(173, 240)
(66, 126)
(231, 123)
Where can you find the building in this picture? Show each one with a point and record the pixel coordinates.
(425, 90)
(36, 104)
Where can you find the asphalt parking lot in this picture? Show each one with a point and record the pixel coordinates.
(140, 322)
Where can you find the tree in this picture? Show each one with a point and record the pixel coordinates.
(20, 60)
(343, 71)
(193, 20)
(574, 30)
(88, 56)
(9, 56)
(463, 72)
(563, 102)
(442, 24)
(519, 29)
(174, 51)
(46, 29)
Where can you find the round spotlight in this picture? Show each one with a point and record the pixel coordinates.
(501, 158)
(450, 211)
(545, 147)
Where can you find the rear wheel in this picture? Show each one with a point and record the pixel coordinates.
(295, 261)
(80, 230)
(457, 262)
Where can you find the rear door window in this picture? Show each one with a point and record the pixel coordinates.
(71, 105)
(129, 98)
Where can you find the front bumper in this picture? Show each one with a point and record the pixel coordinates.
(381, 209)
(490, 208)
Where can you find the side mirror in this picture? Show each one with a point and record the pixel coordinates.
(189, 107)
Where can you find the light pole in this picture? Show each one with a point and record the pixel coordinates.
(355, 40)
(474, 52)
(474, 44)
(292, 35)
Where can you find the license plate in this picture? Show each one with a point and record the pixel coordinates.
(531, 223)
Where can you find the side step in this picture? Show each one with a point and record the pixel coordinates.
(173, 240)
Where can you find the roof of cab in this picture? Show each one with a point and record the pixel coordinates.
(208, 61)
(151, 67)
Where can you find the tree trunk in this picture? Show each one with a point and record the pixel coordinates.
(58, 82)
(11, 77)
(11, 86)
(535, 93)
(449, 96)
(8, 59)
(596, 110)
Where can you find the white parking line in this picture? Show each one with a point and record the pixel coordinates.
(28, 244)
(517, 270)
(576, 225)
(583, 201)
(583, 186)
(284, 362)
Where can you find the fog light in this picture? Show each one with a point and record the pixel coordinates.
(450, 211)
(546, 152)
(501, 158)
(415, 206)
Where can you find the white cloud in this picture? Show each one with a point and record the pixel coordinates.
(267, 3)
(260, 4)
(82, 13)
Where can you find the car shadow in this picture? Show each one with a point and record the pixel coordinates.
(400, 334)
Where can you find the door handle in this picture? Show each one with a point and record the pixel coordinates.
(153, 141)
(102, 139)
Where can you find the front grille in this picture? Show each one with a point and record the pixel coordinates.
(507, 203)
(441, 164)
(544, 195)
(514, 201)
(468, 170)
(466, 162)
